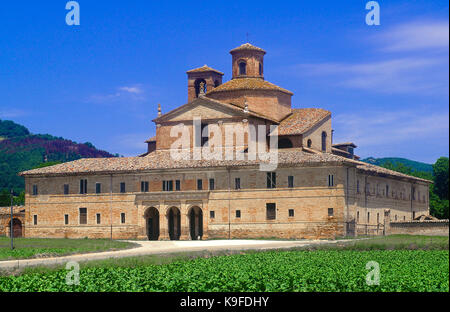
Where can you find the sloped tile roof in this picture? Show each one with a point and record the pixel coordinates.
(301, 120)
(158, 160)
(247, 46)
(204, 68)
(248, 84)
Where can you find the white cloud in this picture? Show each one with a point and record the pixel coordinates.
(135, 89)
(374, 130)
(12, 113)
(416, 36)
(400, 75)
(126, 93)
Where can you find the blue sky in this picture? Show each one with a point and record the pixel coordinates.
(387, 85)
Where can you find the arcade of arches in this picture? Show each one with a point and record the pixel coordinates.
(170, 225)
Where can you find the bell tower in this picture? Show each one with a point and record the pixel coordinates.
(201, 80)
(248, 61)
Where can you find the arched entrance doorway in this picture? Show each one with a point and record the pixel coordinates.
(152, 223)
(174, 217)
(17, 228)
(196, 223)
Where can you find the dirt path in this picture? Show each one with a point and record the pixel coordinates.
(164, 247)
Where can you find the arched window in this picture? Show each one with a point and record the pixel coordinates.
(324, 141)
(260, 69)
(285, 143)
(309, 144)
(242, 68)
(197, 84)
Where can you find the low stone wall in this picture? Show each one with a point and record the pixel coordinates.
(426, 227)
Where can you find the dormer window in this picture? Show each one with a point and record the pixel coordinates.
(242, 68)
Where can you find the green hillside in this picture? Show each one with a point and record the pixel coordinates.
(21, 150)
(414, 165)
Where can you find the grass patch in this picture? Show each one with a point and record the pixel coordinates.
(26, 248)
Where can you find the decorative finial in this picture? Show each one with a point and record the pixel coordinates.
(245, 105)
(159, 109)
(202, 88)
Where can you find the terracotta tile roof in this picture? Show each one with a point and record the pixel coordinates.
(301, 120)
(248, 84)
(152, 139)
(247, 46)
(163, 160)
(158, 160)
(204, 68)
(345, 144)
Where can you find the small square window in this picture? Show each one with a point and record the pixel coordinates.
(238, 213)
(291, 181)
(330, 212)
(66, 189)
(291, 212)
(212, 214)
(199, 184)
(66, 219)
(122, 217)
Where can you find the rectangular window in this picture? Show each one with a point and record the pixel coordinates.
(387, 190)
(83, 215)
(170, 186)
(212, 214)
(164, 186)
(291, 212)
(199, 184)
(237, 183)
(98, 188)
(238, 213)
(35, 190)
(211, 184)
(291, 181)
(357, 216)
(122, 187)
(98, 218)
(35, 219)
(177, 185)
(271, 180)
(368, 217)
(330, 180)
(271, 213)
(205, 135)
(378, 218)
(357, 186)
(144, 186)
(66, 219)
(414, 215)
(122, 217)
(330, 212)
(66, 189)
(83, 186)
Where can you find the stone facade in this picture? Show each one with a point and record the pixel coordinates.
(18, 221)
(312, 193)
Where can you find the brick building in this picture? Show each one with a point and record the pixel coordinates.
(319, 188)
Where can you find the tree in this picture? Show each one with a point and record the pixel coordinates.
(440, 171)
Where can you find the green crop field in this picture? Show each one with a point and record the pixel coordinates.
(320, 270)
(26, 248)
